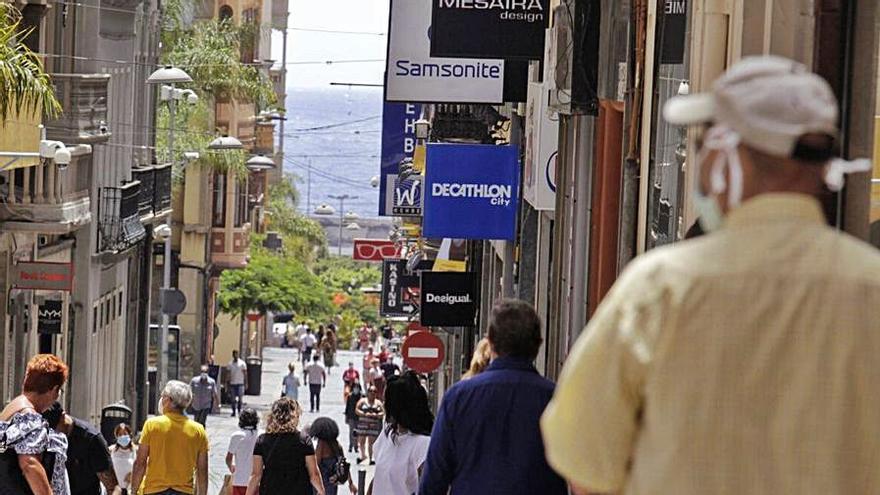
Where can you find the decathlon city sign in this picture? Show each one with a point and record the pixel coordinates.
(471, 191)
(506, 29)
(413, 75)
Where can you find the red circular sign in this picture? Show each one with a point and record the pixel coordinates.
(254, 316)
(423, 352)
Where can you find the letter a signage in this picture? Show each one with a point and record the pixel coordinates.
(449, 299)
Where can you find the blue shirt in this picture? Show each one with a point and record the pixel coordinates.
(487, 438)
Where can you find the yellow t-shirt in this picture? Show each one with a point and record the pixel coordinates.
(175, 443)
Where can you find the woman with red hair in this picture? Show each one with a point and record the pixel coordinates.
(31, 455)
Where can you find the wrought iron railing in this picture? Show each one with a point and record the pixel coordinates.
(119, 227)
(162, 189)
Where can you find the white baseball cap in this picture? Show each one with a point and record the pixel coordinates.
(770, 101)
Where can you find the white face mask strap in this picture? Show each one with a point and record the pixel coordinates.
(838, 168)
(726, 141)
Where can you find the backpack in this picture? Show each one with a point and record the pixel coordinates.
(339, 471)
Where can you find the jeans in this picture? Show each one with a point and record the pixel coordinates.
(237, 391)
(315, 397)
(201, 416)
(307, 355)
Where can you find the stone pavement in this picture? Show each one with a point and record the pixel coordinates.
(221, 426)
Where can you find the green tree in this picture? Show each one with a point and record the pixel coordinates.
(24, 84)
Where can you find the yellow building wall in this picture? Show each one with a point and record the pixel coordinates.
(20, 133)
(227, 341)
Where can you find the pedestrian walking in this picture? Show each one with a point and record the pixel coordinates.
(736, 362)
(389, 368)
(335, 469)
(319, 336)
(284, 460)
(205, 394)
(236, 378)
(364, 337)
(369, 411)
(88, 459)
(122, 453)
(308, 346)
(367, 364)
(290, 383)
(328, 349)
(351, 417)
(172, 458)
(377, 378)
(349, 377)
(316, 377)
(387, 332)
(486, 438)
(480, 360)
(34, 456)
(403, 444)
(240, 453)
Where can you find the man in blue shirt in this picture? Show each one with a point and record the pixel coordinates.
(486, 438)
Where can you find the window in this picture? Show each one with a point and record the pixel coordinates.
(225, 13)
(241, 202)
(219, 219)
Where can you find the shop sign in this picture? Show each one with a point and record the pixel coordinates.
(449, 299)
(398, 143)
(674, 26)
(471, 191)
(506, 29)
(400, 290)
(374, 250)
(542, 144)
(413, 75)
(49, 317)
(42, 275)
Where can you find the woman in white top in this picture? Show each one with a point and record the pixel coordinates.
(402, 446)
(122, 453)
(240, 454)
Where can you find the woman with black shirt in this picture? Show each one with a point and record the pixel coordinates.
(284, 460)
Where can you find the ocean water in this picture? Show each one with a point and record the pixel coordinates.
(336, 133)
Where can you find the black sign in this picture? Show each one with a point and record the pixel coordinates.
(400, 290)
(674, 28)
(49, 317)
(449, 299)
(508, 29)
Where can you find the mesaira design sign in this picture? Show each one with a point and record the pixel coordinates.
(505, 29)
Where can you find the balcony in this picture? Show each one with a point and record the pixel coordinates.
(265, 138)
(83, 100)
(119, 226)
(229, 247)
(155, 193)
(45, 199)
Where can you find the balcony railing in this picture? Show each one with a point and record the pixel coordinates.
(120, 227)
(155, 192)
(83, 100)
(47, 199)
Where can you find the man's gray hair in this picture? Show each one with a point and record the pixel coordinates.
(178, 393)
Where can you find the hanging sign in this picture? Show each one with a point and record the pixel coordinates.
(40, 275)
(49, 317)
(398, 143)
(374, 250)
(674, 25)
(507, 29)
(542, 143)
(449, 299)
(413, 75)
(471, 191)
(400, 290)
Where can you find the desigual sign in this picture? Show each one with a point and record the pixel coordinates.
(472, 191)
(449, 299)
(507, 29)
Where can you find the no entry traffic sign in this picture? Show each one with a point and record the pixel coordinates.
(423, 352)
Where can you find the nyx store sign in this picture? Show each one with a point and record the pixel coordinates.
(507, 29)
(449, 299)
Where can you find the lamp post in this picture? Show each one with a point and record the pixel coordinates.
(341, 199)
(168, 76)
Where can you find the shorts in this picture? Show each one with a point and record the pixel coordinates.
(239, 490)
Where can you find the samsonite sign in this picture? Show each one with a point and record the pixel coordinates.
(471, 191)
(413, 75)
(449, 299)
(506, 29)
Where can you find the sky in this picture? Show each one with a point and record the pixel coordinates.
(365, 16)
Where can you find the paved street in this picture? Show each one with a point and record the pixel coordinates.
(275, 361)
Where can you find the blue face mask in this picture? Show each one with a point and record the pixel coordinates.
(123, 441)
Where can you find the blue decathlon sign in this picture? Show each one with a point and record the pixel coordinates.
(471, 191)
(398, 142)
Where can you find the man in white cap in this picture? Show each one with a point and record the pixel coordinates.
(746, 360)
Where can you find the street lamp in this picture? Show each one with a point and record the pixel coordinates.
(168, 76)
(225, 142)
(353, 226)
(351, 216)
(258, 163)
(164, 232)
(325, 210)
(341, 199)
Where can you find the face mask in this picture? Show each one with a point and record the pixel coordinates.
(725, 141)
(123, 441)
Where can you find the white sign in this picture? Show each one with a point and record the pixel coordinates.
(542, 143)
(412, 75)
